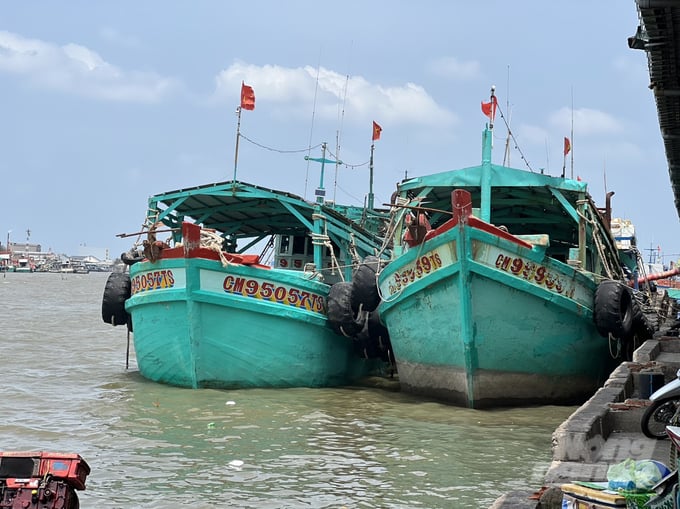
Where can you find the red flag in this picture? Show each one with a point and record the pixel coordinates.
(376, 131)
(247, 97)
(567, 145)
(489, 109)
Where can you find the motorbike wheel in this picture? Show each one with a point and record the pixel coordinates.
(658, 416)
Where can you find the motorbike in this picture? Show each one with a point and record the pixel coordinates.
(664, 410)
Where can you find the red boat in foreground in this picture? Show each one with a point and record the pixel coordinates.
(41, 479)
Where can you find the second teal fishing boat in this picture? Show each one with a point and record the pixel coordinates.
(505, 288)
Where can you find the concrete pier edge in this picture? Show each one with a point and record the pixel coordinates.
(605, 430)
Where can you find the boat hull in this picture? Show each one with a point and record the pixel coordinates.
(479, 320)
(198, 323)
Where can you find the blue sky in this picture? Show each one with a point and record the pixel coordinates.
(106, 103)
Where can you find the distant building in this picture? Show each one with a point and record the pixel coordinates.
(24, 247)
(101, 253)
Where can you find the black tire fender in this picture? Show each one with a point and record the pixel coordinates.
(642, 326)
(341, 317)
(116, 292)
(364, 286)
(131, 257)
(613, 309)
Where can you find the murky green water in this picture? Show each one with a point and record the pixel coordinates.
(65, 388)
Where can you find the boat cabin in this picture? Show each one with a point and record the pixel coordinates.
(296, 252)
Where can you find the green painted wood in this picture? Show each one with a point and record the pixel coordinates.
(497, 321)
(472, 318)
(202, 336)
(197, 323)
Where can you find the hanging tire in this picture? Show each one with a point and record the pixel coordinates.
(116, 292)
(364, 286)
(376, 329)
(642, 327)
(341, 317)
(379, 336)
(373, 342)
(638, 333)
(131, 257)
(613, 312)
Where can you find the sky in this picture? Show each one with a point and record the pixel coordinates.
(104, 104)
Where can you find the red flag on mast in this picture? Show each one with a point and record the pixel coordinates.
(247, 97)
(376, 131)
(489, 109)
(567, 145)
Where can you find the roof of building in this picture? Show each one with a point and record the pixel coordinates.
(658, 34)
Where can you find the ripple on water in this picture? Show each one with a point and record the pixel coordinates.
(153, 446)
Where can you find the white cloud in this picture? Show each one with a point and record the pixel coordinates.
(297, 88)
(531, 134)
(586, 121)
(451, 67)
(78, 70)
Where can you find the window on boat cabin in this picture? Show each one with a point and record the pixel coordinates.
(284, 244)
(229, 244)
(299, 243)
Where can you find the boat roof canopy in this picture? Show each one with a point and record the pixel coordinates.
(245, 210)
(501, 176)
(522, 201)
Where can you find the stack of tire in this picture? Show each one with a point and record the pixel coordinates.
(623, 313)
(352, 311)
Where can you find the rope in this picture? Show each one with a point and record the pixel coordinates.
(211, 240)
(356, 259)
(347, 165)
(617, 342)
(322, 239)
(401, 209)
(598, 244)
(642, 272)
(147, 226)
(507, 126)
(271, 149)
(397, 211)
(301, 150)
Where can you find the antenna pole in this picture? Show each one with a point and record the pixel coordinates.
(320, 191)
(572, 133)
(371, 197)
(339, 135)
(506, 156)
(493, 107)
(238, 135)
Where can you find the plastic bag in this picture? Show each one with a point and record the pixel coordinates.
(630, 475)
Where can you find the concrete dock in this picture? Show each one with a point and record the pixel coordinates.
(605, 430)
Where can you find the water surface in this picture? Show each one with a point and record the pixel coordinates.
(67, 389)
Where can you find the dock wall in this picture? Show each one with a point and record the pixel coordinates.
(605, 430)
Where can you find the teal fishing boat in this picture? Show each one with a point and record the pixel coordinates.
(505, 288)
(206, 312)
